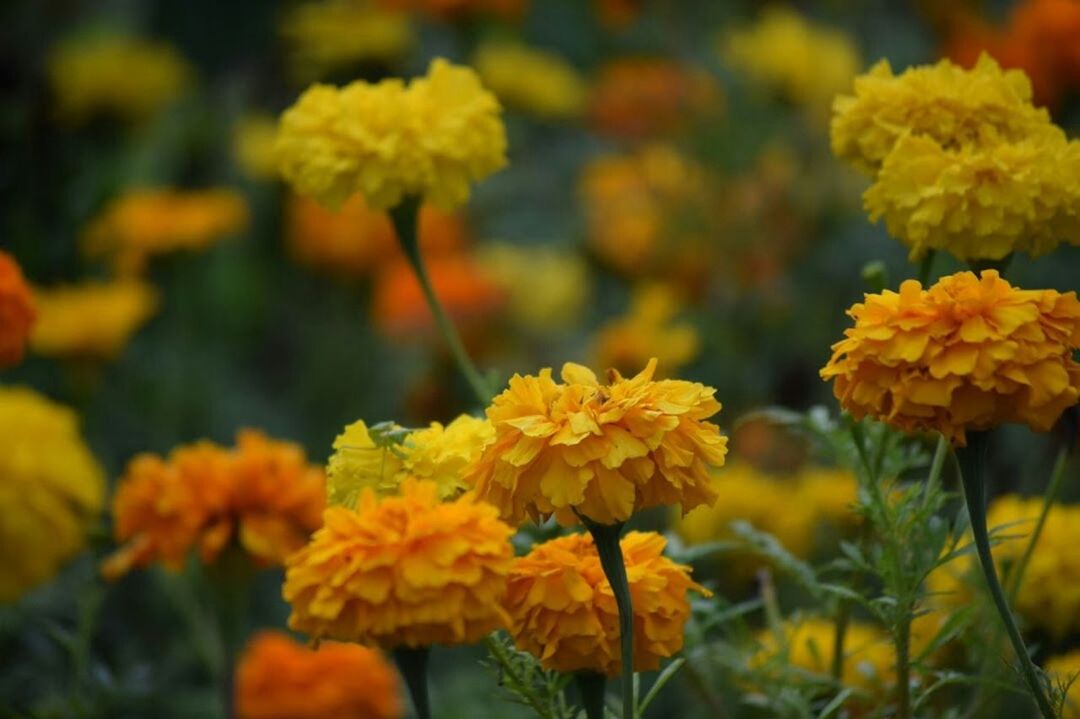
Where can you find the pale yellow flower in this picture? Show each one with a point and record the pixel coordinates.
(531, 79)
(546, 288)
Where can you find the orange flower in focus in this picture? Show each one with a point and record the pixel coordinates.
(16, 311)
(510, 9)
(636, 98)
(279, 678)
(263, 492)
(355, 239)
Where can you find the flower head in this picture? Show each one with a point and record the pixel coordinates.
(579, 448)
(52, 490)
(546, 288)
(91, 320)
(563, 610)
(650, 329)
(279, 678)
(533, 80)
(967, 354)
(407, 570)
(17, 313)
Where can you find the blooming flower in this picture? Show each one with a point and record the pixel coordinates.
(563, 611)
(17, 313)
(967, 354)
(432, 138)
(146, 222)
(93, 319)
(1064, 669)
(407, 570)
(279, 678)
(579, 448)
(52, 490)
(127, 77)
(533, 80)
(649, 329)
(545, 288)
(263, 493)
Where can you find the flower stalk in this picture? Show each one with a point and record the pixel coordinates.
(412, 662)
(592, 686)
(606, 538)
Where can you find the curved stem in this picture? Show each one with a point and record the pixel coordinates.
(592, 685)
(972, 461)
(606, 538)
(406, 219)
(413, 665)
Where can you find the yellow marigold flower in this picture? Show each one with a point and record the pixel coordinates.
(93, 319)
(359, 463)
(17, 313)
(128, 77)
(966, 354)
(408, 570)
(385, 141)
(146, 222)
(279, 678)
(649, 329)
(263, 493)
(441, 453)
(808, 63)
(532, 80)
(253, 140)
(1065, 669)
(598, 451)
(563, 611)
(545, 288)
(52, 490)
(327, 35)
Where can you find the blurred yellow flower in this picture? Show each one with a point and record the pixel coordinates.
(91, 320)
(433, 138)
(17, 312)
(127, 77)
(408, 571)
(807, 63)
(327, 35)
(453, 9)
(545, 287)
(253, 146)
(1065, 669)
(649, 329)
(531, 80)
(52, 490)
(580, 448)
(143, 223)
(563, 611)
(967, 354)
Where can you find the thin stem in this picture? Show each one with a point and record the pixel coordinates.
(406, 221)
(926, 266)
(903, 667)
(941, 452)
(1015, 576)
(413, 665)
(843, 617)
(606, 538)
(972, 463)
(592, 686)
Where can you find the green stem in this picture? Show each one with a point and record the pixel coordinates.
(413, 665)
(406, 221)
(1015, 576)
(592, 686)
(843, 617)
(926, 266)
(606, 538)
(903, 666)
(936, 468)
(972, 461)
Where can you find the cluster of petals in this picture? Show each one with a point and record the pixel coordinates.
(403, 571)
(969, 353)
(388, 140)
(17, 312)
(563, 610)
(262, 493)
(279, 678)
(580, 448)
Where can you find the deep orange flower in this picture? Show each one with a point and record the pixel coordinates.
(279, 678)
(17, 312)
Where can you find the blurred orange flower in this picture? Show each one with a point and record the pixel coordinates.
(17, 312)
(91, 320)
(279, 678)
(650, 329)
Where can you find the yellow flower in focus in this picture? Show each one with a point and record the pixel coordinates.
(808, 63)
(649, 329)
(327, 35)
(563, 611)
(93, 319)
(441, 453)
(408, 571)
(1065, 669)
(127, 77)
(386, 141)
(580, 448)
(52, 490)
(532, 80)
(546, 288)
(359, 463)
(253, 146)
(967, 354)
(144, 223)
(17, 311)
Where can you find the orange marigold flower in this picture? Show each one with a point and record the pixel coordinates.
(262, 492)
(91, 319)
(407, 570)
(17, 312)
(563, 611)
(598, 451)
(279, 678)
(967, 354)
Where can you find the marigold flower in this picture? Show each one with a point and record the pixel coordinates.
(1065, 669)
(533, 80)
(563, 611)
(579, 448)
(93, 319)
(52, 490)
(17, 313)
(649, 329)
(127, 77)
(405, 571)
(966, 354)
(545, 288)
(263, 493)
(385, 141)
(279, 678)
(147, 222)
